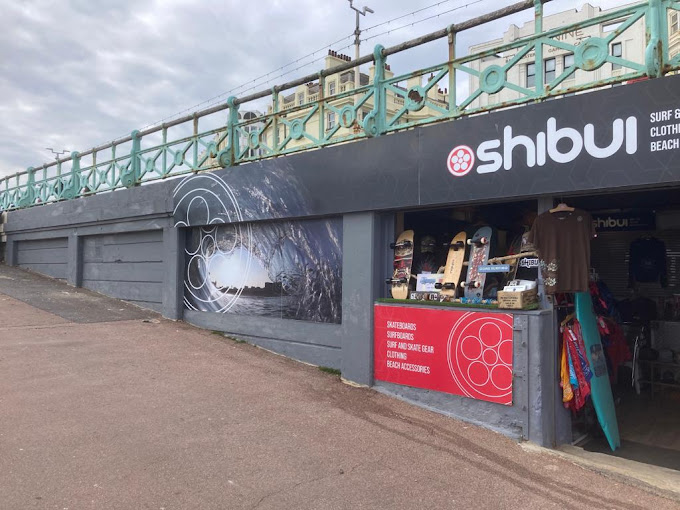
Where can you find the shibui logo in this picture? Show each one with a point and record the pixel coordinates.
(557, 144)
(461, 160)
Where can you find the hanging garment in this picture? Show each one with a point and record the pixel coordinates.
(563, 241)
(616, 348)
(577, 338)
(581, 368)
(567, 391)
(647, 261)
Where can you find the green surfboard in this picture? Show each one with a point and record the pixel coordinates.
(600, 388)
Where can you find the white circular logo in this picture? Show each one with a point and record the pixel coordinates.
(461, 160)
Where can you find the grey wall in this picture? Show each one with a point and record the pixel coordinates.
(347, 346)
(46, 256)
(127, 266)
(115, 243)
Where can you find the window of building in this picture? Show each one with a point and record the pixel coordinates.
(617, 51)
(531, 76)
(330, 120)
(674, 22)
(548, 70)
(301, 98)
(331, 88)
(567, 62)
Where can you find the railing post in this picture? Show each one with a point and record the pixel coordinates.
(233, 129)
(5, 202)
(275, 120)
(322, 108)
(72, 190)
(453, 108)
(656, 28)
(131, 177)
(538, 47)
(27, 198)
(229, 156)
(164, 159)
(374, 123)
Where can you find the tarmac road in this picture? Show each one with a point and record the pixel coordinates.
(127, 414)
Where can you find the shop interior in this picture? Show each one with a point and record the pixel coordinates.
(434, 230)
(633, 280)
(635, 284)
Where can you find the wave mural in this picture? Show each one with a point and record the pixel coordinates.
(288, 269)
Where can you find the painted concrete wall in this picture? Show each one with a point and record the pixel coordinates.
(45, 256)
(121, 244)
(530, 416)
(127, 266)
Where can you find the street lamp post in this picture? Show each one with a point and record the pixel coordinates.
(357, 32)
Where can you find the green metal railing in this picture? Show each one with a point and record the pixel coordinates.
(384, 105)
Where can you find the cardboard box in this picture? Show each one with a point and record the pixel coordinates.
(517, 300)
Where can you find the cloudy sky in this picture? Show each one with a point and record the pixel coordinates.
(79, 73)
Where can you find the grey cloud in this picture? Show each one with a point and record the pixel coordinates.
(78, 73)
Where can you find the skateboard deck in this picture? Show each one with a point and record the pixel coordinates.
(479, 253)
(403, 258)
(454, 266)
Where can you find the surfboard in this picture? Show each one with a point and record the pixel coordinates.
(600, 388)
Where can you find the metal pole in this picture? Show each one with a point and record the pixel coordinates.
(357, 41)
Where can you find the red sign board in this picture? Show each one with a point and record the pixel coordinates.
(459, 352)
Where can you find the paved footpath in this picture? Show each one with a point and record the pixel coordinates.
(102, 410)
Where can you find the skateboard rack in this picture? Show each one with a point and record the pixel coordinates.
(445, 285)
(478, 242)
(508, 258)
(405, 244)
(392, 281)
(456, 246)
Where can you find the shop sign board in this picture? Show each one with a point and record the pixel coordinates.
(624, 137)
(624, 221)
(453, 351)
(494, 268)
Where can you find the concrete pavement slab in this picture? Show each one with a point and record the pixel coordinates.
(59, 298)
(14, 314)
(141, 415)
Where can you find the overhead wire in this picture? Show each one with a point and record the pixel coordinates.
(406, 15)
(257, 82)
(422, 20)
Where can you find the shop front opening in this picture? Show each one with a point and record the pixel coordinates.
(464, 255)
(443, 327)
(613, 289)
(634, 280)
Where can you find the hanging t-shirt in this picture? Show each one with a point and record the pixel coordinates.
(563, 242)
(647, 261)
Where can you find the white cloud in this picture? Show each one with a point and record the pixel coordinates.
(75, 74)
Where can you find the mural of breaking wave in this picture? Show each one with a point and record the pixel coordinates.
(286, 268)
